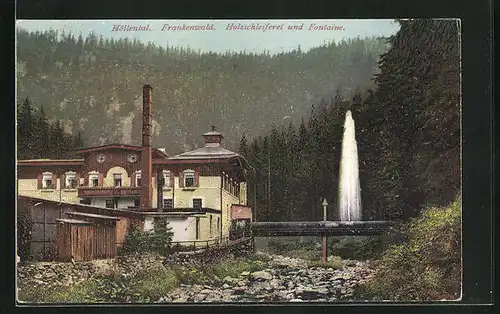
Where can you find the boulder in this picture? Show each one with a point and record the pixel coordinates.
(262, 275)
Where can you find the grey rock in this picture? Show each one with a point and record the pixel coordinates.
(228, 279)
(262, 275)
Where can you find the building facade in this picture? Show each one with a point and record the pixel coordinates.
(197, 191)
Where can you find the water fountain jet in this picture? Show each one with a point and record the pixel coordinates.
(349, 186)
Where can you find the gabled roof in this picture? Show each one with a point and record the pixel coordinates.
(156, 151)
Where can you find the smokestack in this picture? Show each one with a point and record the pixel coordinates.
(147, 152)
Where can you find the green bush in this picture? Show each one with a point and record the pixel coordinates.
(427, 266)
(158, 241)
(357, 247)
(24, 230)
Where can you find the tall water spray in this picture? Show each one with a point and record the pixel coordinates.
(349, 187)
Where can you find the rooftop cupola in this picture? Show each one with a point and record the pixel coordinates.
(213, 138)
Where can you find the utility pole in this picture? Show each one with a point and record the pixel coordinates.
(325, 204)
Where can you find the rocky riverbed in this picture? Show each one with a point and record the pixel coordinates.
(285, 280)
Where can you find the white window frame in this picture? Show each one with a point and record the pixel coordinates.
(188, 174)
(45, 177)
(67, 176)
(114, 180)
(137, 177)
(166, 178)
(93, 175)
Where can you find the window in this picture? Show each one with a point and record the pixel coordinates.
(117, 179)
(189, 178)
(93, 179)
(197, 203)
(168, 203)
(47, 180)
(166, 178)
(110, 204)
(70, 180)
(218, 224)
(138, 178)
(85, 201)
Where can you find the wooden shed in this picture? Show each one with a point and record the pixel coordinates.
(103, 233)
(74, 239)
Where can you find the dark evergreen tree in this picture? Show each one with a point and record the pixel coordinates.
(25, 130)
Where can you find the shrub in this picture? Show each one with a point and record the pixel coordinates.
(427, 266)
(24, 229)
(158, 241)
(357, 247)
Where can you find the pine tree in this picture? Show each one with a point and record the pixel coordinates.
(25, 130)
(42, 135)
(243, 150)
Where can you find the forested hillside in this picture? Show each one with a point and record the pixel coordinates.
(407, 129)
(94, 86)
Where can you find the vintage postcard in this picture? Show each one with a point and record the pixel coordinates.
(238, 161)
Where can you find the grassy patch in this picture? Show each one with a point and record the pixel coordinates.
(427, 265)
(234, 268)
(79, 293)
(335, 263)
(153, 283)
(310, 255)
(148, 285)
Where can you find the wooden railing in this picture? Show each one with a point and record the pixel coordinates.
(197, 244)
(193, 245)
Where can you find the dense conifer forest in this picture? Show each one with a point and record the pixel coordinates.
(94, 85)
(407, 130)
(39, 138)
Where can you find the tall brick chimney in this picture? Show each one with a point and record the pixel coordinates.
(147, 152)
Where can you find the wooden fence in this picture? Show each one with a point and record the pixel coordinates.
(80, 240)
